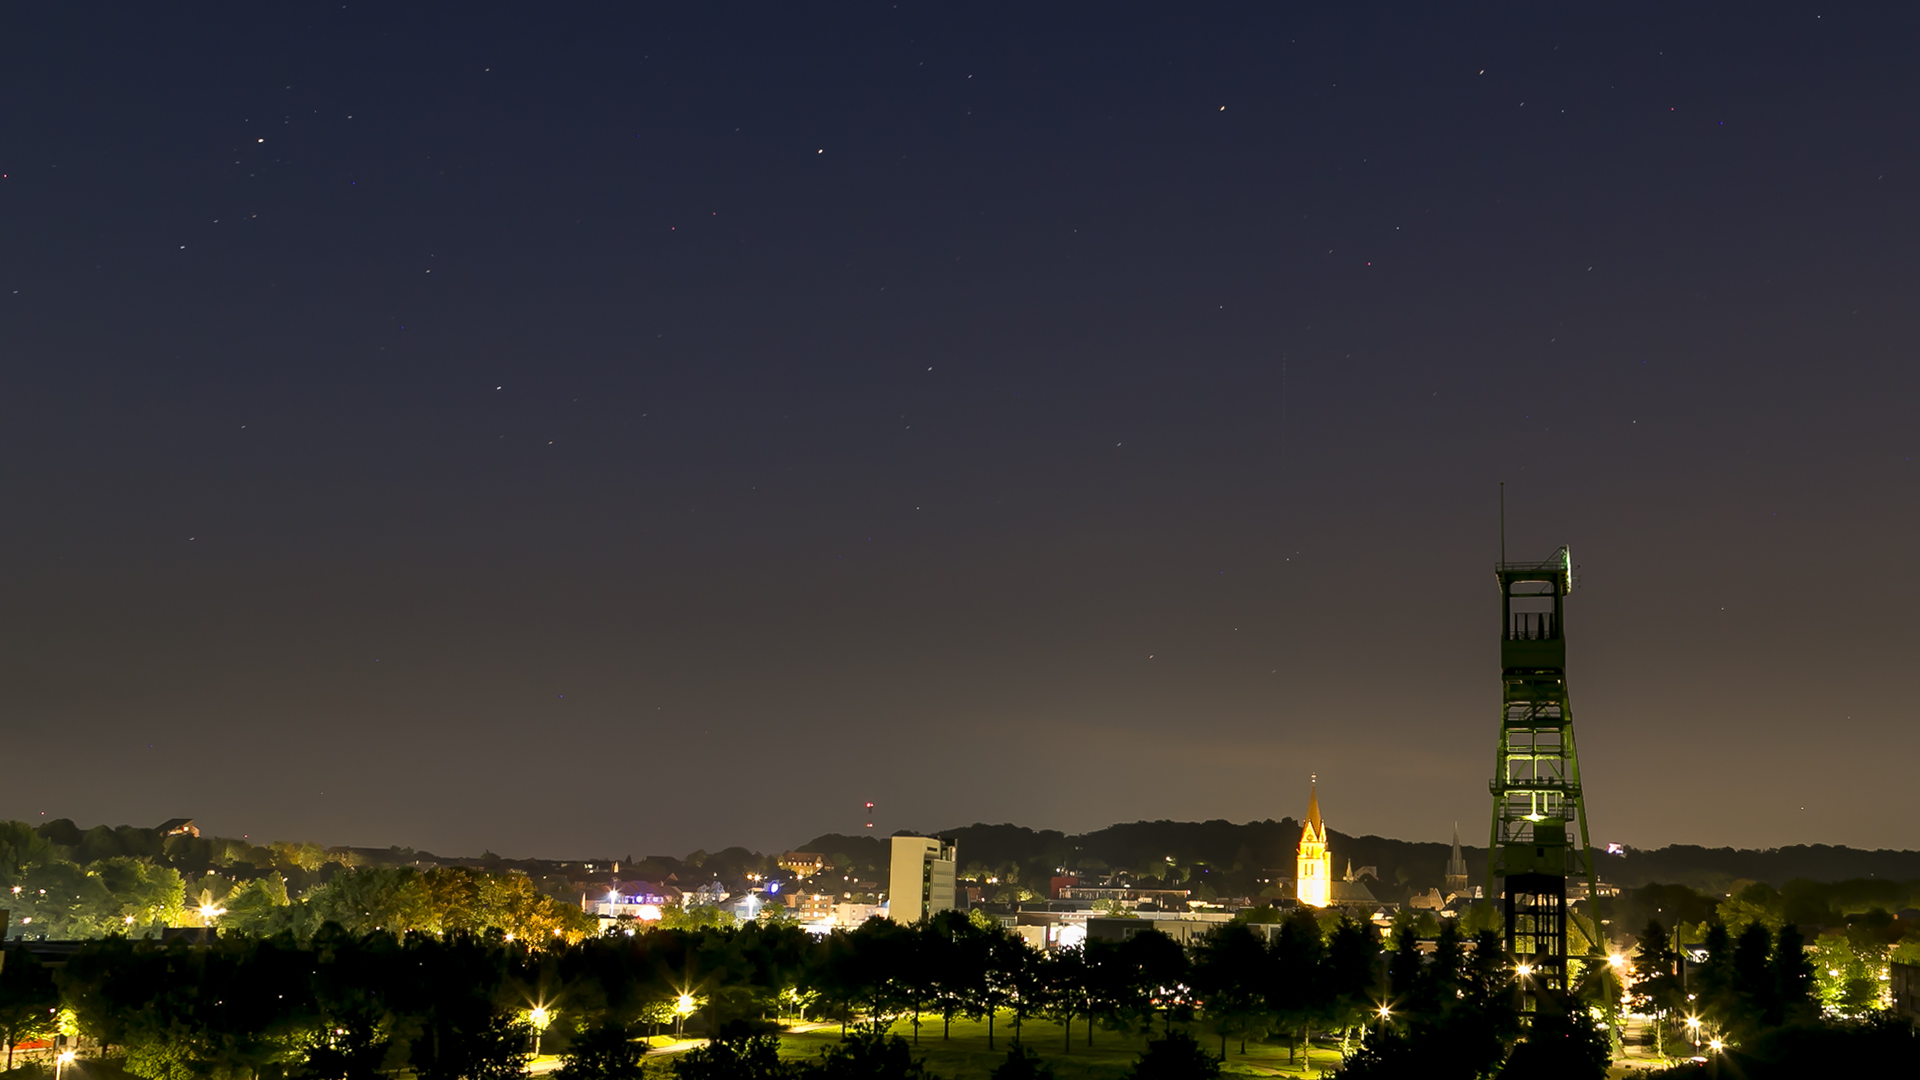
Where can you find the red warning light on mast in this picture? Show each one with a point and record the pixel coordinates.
(869, 815)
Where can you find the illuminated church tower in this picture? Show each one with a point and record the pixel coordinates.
(1314, 876)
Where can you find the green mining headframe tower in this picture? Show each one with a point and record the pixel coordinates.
(1536, 779)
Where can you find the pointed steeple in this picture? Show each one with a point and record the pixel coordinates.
(1315, 826)
(1314, 877)
(1456, 866)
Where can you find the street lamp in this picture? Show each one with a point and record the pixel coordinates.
(61, 1062)
(539, 1016)
(1525, 971)
(683, 1007)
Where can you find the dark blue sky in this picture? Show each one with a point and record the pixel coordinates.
(612, 429)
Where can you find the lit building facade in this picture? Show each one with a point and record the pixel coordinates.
(921, 880)
(1313, 876)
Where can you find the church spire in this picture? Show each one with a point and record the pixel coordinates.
(1318, 828)
(1314, 876)
(1456, 866)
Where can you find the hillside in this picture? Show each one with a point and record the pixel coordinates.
(1231, 857)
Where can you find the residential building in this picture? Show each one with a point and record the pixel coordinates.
(921, 878)
(803, 864)
(1904, 983)
(809, 906)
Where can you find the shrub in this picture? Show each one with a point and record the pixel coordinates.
(1022, 1064)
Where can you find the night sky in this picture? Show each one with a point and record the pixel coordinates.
(574, 430)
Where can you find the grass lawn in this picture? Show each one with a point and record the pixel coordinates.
(965, 1056)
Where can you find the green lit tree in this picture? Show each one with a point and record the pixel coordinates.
(1656, 981)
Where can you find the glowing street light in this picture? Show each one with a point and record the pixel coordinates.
(1525, 971)
(539, 1016)
(1616, 961)
(683, 1007)
(1716, 1045)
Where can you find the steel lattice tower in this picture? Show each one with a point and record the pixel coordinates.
(1536, 778)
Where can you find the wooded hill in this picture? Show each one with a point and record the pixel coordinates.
(1231, 858)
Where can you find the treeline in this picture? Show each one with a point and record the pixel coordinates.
(64, 882)
(126, 887)
(339, 1004)
(1714, 869)
(461, 1004)
(1756, 1007)
(1847, 928)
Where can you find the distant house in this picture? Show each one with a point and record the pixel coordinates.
(180, 826)
(809, 906)
(803, 864)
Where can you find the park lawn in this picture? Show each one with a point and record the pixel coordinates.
(965, 1056)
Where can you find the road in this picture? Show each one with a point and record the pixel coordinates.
(541, 1066)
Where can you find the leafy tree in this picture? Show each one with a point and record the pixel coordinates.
(952, 952)
(1656, 980)
(1563, 1044)
(605, 1052)
(1297, 993)
(21, 846)
(1388, 1053)
(260, 907)
(28, 999)
(1231, 976)
(1175, 1056)
(1348, 976)
(1159, 967)
(1718, 1002)
(869, 1055)
(1846, 973)
(1068, 992)
(230, 1009)
(464, 899)
(753, 1057)
(1751, 902)
(1756, 1004)
(395, 899)
(694, 917)
(1017, 967)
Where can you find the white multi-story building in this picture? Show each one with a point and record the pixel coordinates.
(921, 881)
